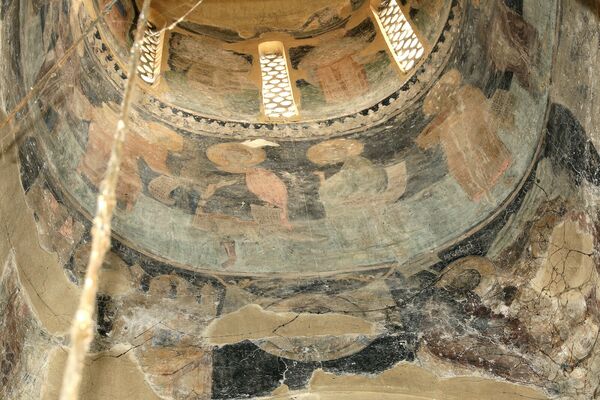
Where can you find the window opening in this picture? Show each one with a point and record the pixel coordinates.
(150, 57)
(399, 34)
(277, 94)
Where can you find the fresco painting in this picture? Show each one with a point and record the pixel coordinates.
(441, 239)
(425, 12)
(339, 74)
(93, 164)
(476, 157)
(516, 45)
(264, 184)
(352, 198)
(210, 71)
(198, 67)
(342, 80)
(359, 183)
(119, 19)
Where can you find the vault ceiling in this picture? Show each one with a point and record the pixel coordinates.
(270, 200)
(338, 61)
(425, 229)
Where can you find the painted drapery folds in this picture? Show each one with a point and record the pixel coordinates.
(420, 233)
(362, 200)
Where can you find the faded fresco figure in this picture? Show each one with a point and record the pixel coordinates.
(59, 231)
(337, 72)
(514, 45)
(463, 126)
(192, 184)
(197, 67)
(238, 158)
(359, 181)
(151, 142)
(119, 19)
(342, 80)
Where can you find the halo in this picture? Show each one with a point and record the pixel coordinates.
(334, 151)
(235, 157)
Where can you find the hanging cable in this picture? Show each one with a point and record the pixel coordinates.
(82, 328)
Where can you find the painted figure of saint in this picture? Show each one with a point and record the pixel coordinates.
(119, 19)
(342, 80)
(512, 44)
(463, 126)
(152, 142)
(238, 158)
(359, 181)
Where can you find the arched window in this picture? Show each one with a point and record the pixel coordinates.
(150, 58)
(402, 40)
(277, 94)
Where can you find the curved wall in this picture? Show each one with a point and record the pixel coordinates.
(509, 311)
(391, 192)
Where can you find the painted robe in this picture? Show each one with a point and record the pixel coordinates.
(153, 147)
(476, 157)
(355, 184)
